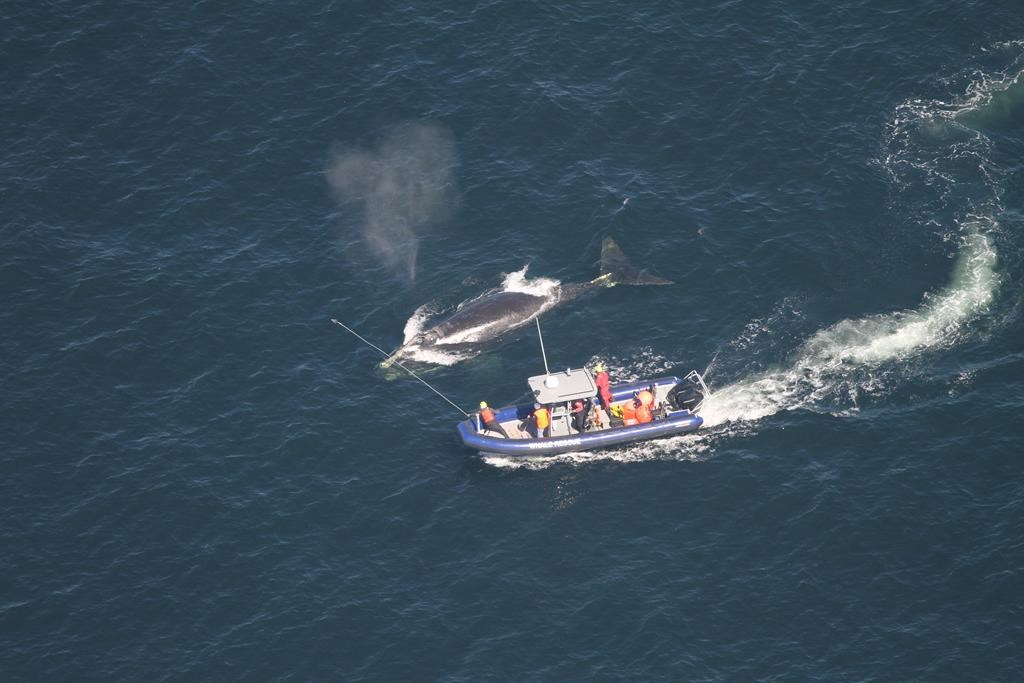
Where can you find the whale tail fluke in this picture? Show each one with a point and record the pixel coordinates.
(616, 269)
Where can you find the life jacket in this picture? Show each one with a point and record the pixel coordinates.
(577, 406)
(486, 415)
(647, 398)
(629, 413)
(643, 413)
(542, 417)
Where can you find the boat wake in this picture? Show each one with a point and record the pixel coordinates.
(930, 145)
(838, 364)
(941, 146)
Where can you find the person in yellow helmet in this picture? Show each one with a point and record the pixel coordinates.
(603, 390)
(490, 421)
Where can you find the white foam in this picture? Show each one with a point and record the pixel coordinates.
(539, 286)
(415, 324)
(843, 361)
(430, 354)
(685, 447)
(643, 364)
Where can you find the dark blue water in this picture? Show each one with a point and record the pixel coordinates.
(204, 479)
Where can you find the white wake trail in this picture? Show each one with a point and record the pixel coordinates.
(932, 148)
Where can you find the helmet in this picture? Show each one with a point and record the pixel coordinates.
(483, 404)
(599, 367)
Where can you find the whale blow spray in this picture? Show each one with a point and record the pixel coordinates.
(403, 186)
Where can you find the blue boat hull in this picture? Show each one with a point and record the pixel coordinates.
(678, 422)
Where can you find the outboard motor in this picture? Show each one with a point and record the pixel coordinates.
(687, 395)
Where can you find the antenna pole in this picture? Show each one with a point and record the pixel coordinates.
(541, 337)
(386, 355)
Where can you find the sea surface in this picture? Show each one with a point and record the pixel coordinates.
(203, 479)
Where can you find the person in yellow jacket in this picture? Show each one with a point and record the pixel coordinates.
(490, 422)
(541, 420)
(629, 412)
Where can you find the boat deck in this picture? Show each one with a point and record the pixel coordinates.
(516, 421)
(561, 418)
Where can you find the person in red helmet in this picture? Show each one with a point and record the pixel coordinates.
(579, 410)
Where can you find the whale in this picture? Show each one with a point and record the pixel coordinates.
(491, 315)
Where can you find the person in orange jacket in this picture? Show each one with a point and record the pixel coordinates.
(642, 410)
(657, 407)
(490, 422)
(541, 420)
(647, 398)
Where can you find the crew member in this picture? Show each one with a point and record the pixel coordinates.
(657, 407)
(490, 422)
(647, 398)
(579, 414)
(642, 410)
(629, 412)
(603, 390)
(541, 421)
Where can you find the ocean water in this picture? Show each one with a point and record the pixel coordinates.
(205, 479)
